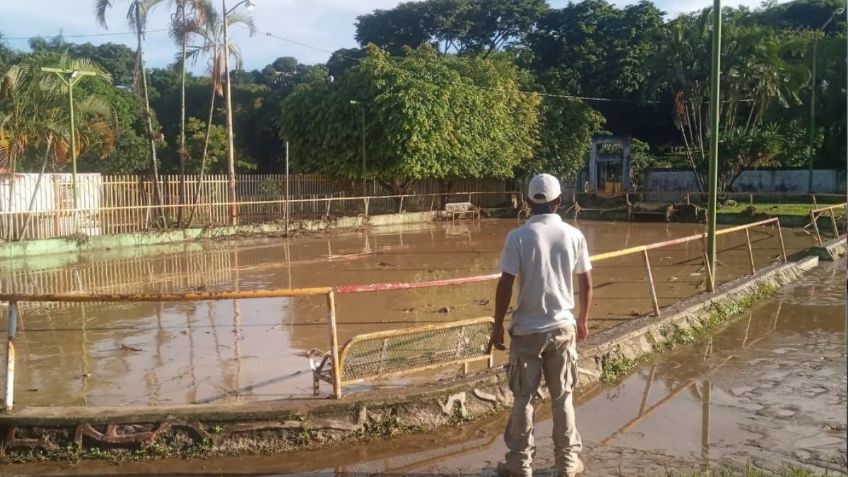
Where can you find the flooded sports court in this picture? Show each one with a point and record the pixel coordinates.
(768, 391)
(118, 354)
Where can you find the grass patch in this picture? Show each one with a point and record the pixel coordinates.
(719, 314)
(789, 471)
(771, 209)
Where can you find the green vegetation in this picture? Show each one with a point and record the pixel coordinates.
(470, 88)
(718, 315)
(769, 209)
(749, 471)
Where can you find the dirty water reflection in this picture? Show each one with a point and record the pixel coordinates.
(202, 352)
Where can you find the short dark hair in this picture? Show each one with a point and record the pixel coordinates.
(546, 208)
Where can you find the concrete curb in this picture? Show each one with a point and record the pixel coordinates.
(284, 425)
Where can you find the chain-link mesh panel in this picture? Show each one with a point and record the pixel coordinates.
(413, 349)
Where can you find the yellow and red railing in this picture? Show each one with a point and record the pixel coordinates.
(330, 293)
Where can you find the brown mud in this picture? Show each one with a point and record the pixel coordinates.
(205, 352)
(768, 391)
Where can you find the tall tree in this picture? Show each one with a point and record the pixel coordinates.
(426, 115)
(212, 47)
(34, 117)
(137, 19)
(478, 27)
(187, 19)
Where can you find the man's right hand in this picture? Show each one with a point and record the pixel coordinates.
(497, 339)
(582, 330)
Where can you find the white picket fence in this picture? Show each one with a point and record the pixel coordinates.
(126, 203)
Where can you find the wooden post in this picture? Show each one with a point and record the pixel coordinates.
(750, 251)
(400, 208)
(334, 345)
(12, 327)
(833, 223)
(782, 246)
(814, 221)
(366, 206)
(651, 286)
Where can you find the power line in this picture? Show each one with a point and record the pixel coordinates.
(81, 35)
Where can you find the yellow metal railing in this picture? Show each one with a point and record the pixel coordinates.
(831, 209)
(330, 292)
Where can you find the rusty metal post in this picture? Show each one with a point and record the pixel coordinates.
(833, 223)
(651, 286)
(782, 246)
(10, 356)
(814, 220)
(334, 345)
(750, 252)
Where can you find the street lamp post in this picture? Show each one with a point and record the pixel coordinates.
(231, 157)
(364, 170)
(812, 132)
(71, 78)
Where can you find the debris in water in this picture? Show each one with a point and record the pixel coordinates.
(634, 312)
(33, 390)
(385, 264)
(673, 279)
(408, 310)
(481, 301)
(130, 348)
(445, 309)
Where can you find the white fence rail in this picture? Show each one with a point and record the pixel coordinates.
(126, 204)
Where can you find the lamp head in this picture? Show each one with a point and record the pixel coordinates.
(249, 5)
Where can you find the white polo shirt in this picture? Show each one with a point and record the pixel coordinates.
(544, 254)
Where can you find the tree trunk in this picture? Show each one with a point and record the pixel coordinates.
(205, 154)
(183, 151)
(37, 187)
(10, 219)
(148, 116)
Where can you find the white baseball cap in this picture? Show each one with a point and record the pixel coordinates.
(544, 188)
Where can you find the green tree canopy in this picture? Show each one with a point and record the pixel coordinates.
(427, 116)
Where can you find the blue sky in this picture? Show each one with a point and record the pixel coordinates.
(325, 24)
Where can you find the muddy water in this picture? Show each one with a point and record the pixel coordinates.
(768, 391)
(148, 354)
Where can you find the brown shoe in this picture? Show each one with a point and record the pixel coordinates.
(504, 471)
(578, 468)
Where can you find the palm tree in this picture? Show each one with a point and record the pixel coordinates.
(137, 18)
(35, 116)
(188, 18)
(212, 47)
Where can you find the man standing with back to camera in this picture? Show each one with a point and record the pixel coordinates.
(544, 254)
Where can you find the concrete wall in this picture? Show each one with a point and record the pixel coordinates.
(825, 181)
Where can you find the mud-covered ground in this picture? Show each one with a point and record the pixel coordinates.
(204, 352)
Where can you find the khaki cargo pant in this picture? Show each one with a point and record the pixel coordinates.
(553, 354)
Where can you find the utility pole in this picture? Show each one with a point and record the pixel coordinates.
(715, 104)
(812, 131)
(70, 78)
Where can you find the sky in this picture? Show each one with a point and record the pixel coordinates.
(323, 25)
